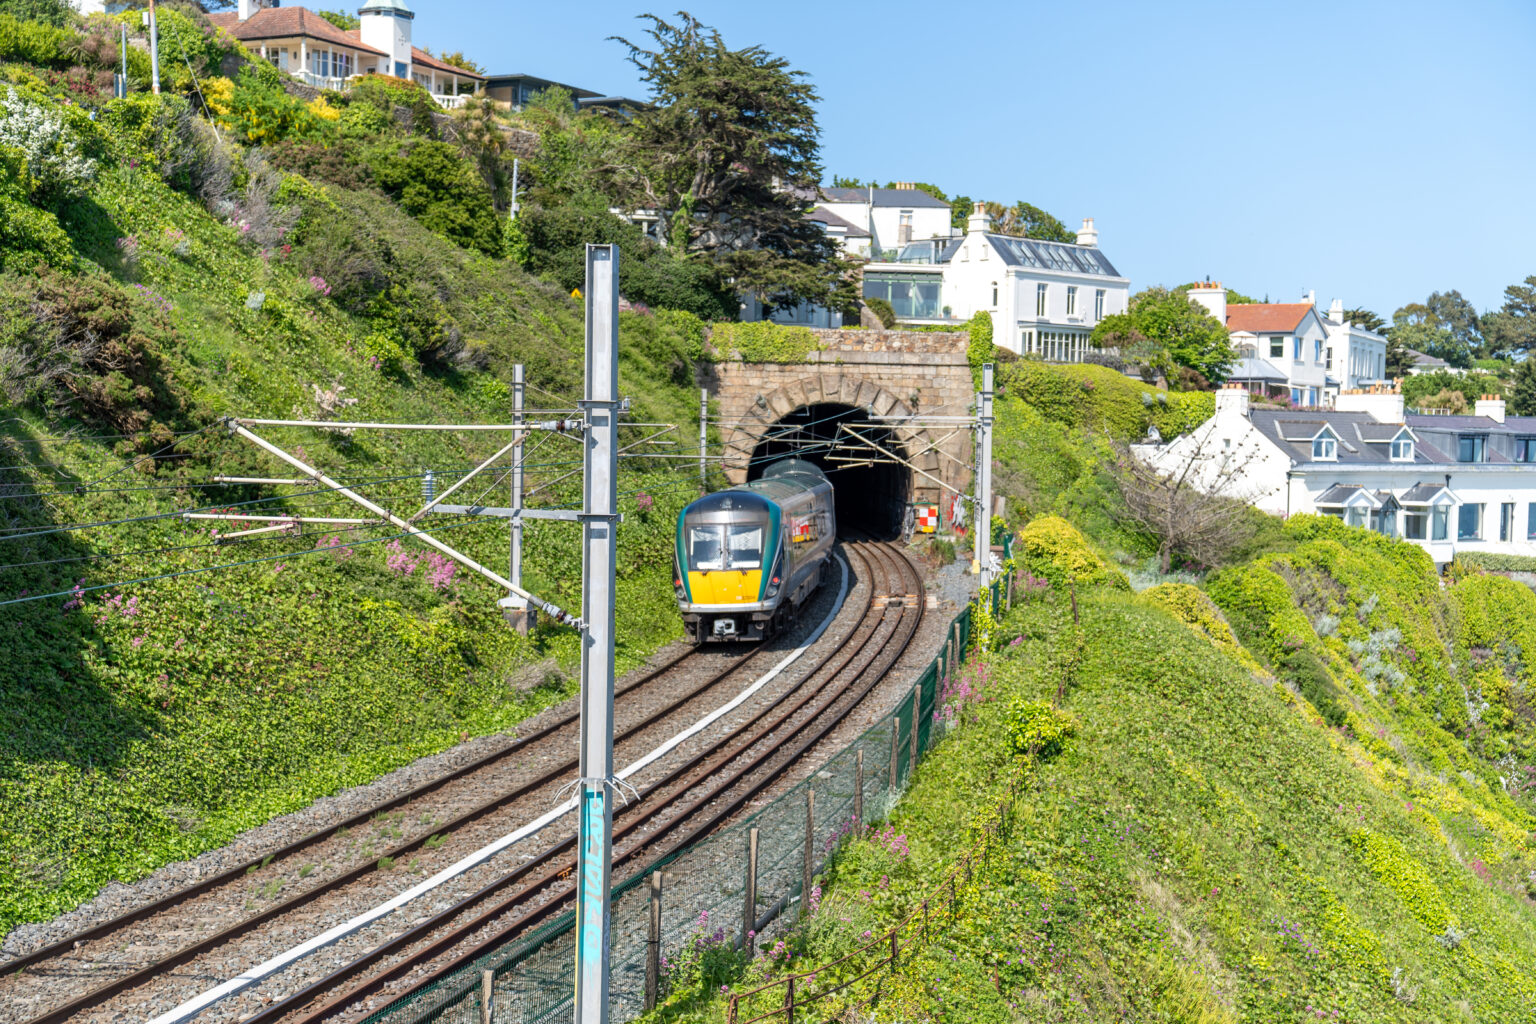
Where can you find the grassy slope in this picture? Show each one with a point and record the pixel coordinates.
(1210, 848)
(229, 697)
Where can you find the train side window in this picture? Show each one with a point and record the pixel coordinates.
(704, 549)
(746, 547)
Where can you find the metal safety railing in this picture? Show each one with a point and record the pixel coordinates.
(779, 848)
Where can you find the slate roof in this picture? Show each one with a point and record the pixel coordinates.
(288, 22)
(418, 57)
(911, 197)
(1032, 252)
(1363, 440)
(1430, 362)
(1421, 493)
(1266, 317)
(822, 215)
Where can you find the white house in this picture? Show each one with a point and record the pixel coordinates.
(1447, 483)
(885, 219)
(316, 52)
(1357, 358)
(1045, 298)
(1282, 347)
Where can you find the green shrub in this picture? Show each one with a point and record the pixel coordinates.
(979, 349)
(35, 42)
(1492, 561)
(1056, 550)
(883, 311)
(762, 341)
(47, 139)
(260, 113)
(1037, 728)
(57, 13)
(1191, 606)
(28, 235)
(434, 184)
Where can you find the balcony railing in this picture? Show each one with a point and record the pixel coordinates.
(451, 102)
(444, 100)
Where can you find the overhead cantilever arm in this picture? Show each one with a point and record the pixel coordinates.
(554, 611)
(905, 462)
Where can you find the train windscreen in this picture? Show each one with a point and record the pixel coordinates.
(704, 548)
(746, 546)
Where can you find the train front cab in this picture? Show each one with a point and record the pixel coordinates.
(723, 542)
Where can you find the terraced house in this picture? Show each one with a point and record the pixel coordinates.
(317, 53)
(1446, 483)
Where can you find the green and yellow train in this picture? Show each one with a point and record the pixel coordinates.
(749, 557)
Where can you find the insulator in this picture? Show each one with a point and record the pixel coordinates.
(428, 486)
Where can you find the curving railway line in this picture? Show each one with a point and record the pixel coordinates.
(151, 959)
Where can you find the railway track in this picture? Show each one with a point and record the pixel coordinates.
(702, 796)
(65, 977)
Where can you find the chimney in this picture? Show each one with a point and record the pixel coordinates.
(979, 220)
(1087, 234)
(246, 8)
(1381, 403)
(905, 186)
(1309, 297)
(1232, 400)
(1491, 406)
(1213, 297)
(1336, 311)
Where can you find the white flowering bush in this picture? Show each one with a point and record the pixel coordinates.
(46, 141)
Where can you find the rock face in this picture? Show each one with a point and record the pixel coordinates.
(892, 372)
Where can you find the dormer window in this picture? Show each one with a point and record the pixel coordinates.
(1325, 448)
(1472, 448)
(1402, 447)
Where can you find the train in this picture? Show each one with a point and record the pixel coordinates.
(748, 557)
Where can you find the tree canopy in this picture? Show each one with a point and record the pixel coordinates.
(1183, 331)
(731, 149)
(341, 19)
(1365, 318)
(1024, 220)
(1444, 325)
(1511, 329)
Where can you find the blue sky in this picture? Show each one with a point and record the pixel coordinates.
(1370, 151)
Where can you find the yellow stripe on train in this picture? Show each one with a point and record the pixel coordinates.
(725, 586)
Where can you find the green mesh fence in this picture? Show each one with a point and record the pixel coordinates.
(704, 886)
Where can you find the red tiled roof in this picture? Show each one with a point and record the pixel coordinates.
(1266, 317)
(418, 57)
(289, 22)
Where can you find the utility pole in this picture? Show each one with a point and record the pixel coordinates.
(703, 440)
(514, 607)
(984, 476)
(512, 212)
(154, 51)
(122, 50)
(600, 501)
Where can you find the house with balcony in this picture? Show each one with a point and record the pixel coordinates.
(1357, 358)
(1045, 298)
(1447, 483)
(317, 53)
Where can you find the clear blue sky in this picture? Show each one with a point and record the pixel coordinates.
(1370, 151)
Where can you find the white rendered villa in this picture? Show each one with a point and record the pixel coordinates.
(1446, 483)
(314, 51)
(1045, 298)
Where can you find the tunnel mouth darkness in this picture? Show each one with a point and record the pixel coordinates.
(872, 490)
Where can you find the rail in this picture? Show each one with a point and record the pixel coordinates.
(533, 977)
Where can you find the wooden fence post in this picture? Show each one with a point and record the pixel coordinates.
(653, 945)
(810, 851)
(789, 1001)
(917, 706)
(730, 1010)
(895, 739)
(895, 948)
(954, 637)
(749, 898)
(1072, 589)
(487, 997)
(858, 790)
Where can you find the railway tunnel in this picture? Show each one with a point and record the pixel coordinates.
(872, 489)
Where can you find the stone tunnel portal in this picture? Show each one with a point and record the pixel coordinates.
(872, 490)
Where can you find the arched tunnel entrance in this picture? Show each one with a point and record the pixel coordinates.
(872, 489)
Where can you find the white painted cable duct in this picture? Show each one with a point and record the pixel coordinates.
(192, 1007)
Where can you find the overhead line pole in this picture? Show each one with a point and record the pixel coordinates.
(515, 606)
(984, 476)
(703, 440)
(600, 504)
